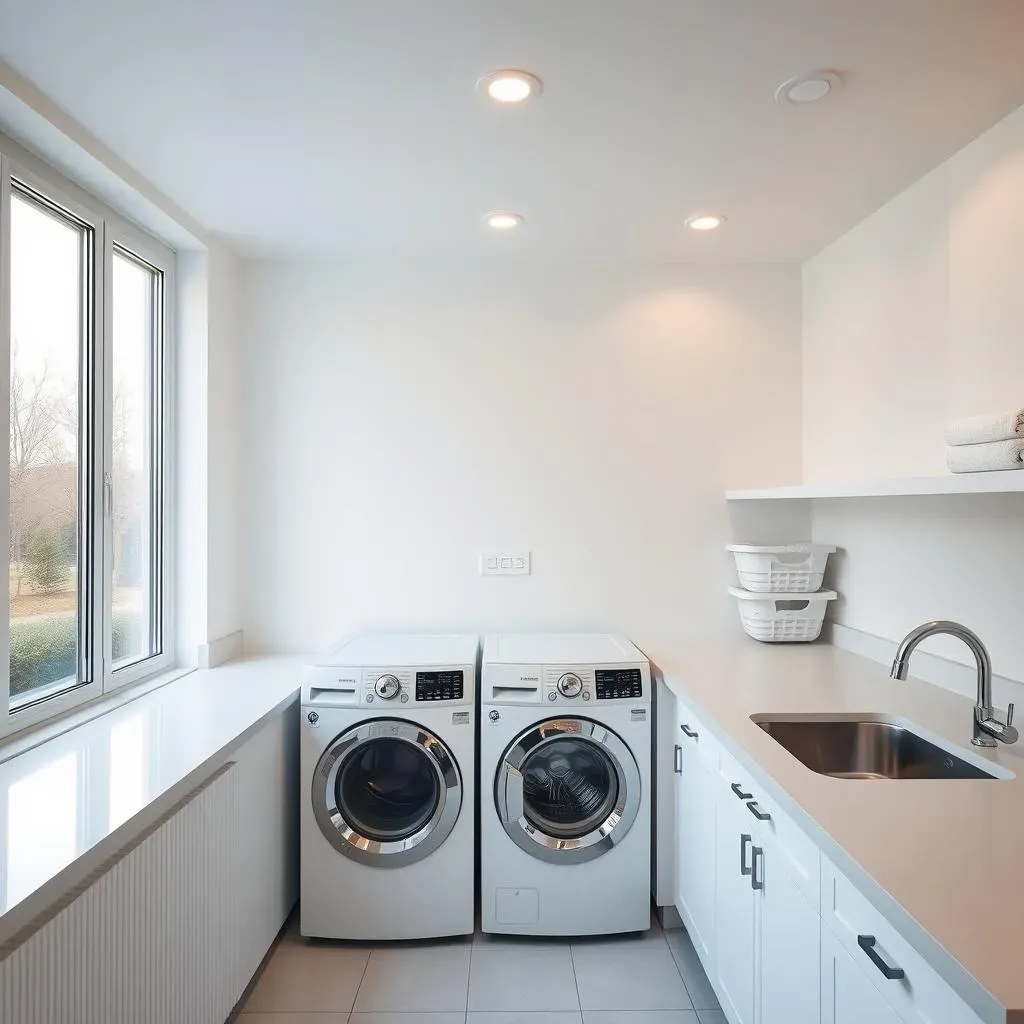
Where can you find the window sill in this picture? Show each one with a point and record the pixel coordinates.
(33, 735)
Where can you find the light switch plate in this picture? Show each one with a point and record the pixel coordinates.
(505, 563)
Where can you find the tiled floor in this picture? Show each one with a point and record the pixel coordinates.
(653, 978)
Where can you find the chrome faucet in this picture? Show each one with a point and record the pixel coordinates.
(987, 728)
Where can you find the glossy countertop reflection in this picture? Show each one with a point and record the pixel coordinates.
(65, 797)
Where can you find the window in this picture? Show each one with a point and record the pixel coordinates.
(83, 326)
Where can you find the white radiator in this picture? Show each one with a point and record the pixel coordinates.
(148, 938)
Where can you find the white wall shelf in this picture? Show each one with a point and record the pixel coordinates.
(1002, 482)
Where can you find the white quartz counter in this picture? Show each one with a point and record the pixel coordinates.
(74, 800)
(943, 860)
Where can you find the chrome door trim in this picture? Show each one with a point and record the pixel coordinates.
(350, 842)
(508, 792)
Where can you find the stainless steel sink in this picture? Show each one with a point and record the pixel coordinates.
(866, 747)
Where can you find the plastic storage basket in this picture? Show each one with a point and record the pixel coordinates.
(781, 568)
(778, 617)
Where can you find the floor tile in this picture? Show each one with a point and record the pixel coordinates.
(415, 979)
(523, 1017)
(522, 979)
(493, 940)
(640, 1017)
(711, 1017)
(293, 1018)
(429, 1017)
(620, 943)
(641, 979)
(310, 979)
(692, 971)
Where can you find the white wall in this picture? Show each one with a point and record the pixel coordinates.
(916, 317)
(224, 426)
(399, 420)
(913, 318)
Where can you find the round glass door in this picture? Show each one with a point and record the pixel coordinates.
(570, 786)
(567, 790)
(386, 792)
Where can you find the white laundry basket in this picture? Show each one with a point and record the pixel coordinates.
(781, 568)
(777, 617)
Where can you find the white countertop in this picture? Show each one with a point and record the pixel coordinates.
(943, 860)
(73, 800)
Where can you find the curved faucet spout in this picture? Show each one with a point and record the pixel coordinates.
(987, 728)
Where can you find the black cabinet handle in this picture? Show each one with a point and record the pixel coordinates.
(745, 868)
(692, 733)
(755, 882)
(756, 811)
(867, 943)
(678, 764)
(738, 790)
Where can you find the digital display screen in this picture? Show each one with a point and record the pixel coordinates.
(439, 685)
(616, 683)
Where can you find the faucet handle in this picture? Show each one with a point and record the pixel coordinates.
(1009, 714)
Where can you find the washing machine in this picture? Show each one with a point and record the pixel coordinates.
(388, 799)
(565, 769)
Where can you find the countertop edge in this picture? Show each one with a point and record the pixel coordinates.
(36, 907)
(965, 984)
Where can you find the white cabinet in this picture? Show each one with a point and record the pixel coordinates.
(735, 908)
(696, 785)
(847, 996)
(789, 946)
(784, 936)
(767, 931)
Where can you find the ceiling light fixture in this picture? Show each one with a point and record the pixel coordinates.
(809, 87)
(510, 85)
(705, 221)
(501, 220)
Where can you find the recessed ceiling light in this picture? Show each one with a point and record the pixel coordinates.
(510, 85)
(705, 221)
(808, 87)
(500, 220)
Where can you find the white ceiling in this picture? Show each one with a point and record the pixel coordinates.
(330, 126)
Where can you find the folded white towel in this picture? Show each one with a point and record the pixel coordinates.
(979, 458)
(982, 429)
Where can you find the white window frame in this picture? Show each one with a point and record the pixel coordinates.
(119, 233)
(109, 230)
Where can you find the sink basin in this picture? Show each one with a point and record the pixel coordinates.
(866, 747)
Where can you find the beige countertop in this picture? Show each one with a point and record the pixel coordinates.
(942, 859)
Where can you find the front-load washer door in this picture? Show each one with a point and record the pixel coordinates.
(386, 792)
(567, 790)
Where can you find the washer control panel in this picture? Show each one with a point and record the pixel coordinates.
(391, 687)
(447, 685)
(584, 684)
(617, 683)
(568, 685)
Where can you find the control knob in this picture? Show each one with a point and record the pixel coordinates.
(388, 687)
(570, 685)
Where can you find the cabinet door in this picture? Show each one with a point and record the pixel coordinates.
(789, 941)
(699, 781)
(847, 996)
(735, 908)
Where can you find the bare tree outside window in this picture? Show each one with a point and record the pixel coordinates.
(48, 281)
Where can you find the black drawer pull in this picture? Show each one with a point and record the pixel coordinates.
(758, 855)
(756, 811)
(867, 943)
(745, 868)
(738, 790)
(678, 764)
(692, 733)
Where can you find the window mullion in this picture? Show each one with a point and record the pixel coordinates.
(5, 386)
(105, 415)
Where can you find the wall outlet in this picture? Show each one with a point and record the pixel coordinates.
(505, 563)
